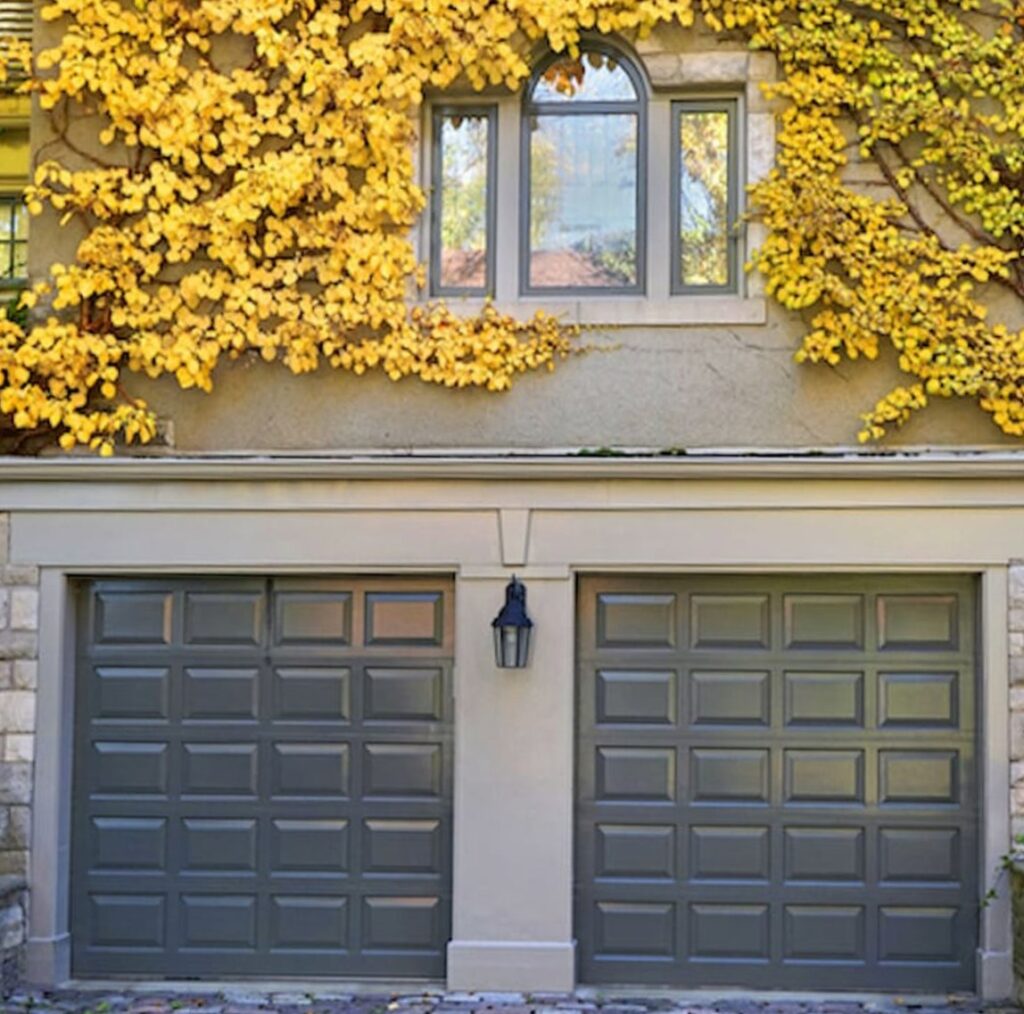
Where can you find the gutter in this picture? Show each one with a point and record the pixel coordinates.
(221, 468)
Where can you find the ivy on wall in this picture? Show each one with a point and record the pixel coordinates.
(241, 174)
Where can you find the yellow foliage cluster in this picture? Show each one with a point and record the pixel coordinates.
(253, 188)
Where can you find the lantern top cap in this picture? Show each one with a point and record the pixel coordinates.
(513, 613)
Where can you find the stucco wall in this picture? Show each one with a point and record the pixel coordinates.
(716, 383)
(667, 388)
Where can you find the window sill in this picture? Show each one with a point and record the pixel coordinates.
(628, 311)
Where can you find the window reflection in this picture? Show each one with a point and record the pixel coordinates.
(704, 212)
(583, 137)
(462, 165)
(583, 201)
(13, 237)
(591, 77)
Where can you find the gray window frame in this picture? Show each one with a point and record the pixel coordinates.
(730, 106)
(530, 109)
(438, 114)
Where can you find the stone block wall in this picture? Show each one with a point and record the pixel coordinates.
(1016, 624)
(19, 651)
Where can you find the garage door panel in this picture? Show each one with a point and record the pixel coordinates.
(230, 618)
(219, 769)
(729, 622)
(312, 694)
(132, 617)
(220, 694)
(216, 845)
(136, 692)
(630, 697)
(313, 618)
(834, 777)
(309, 847)
(635, 851)
(723, 852)
(918, 622)
(127, 921)
(129, 769)
(825, 933)
(218, 922)
(403, 694)
(132, 845)
(305, 923)
(636, 621)
(641, 929)
(729, 776)
(824, 855)
(910, 855)
(815, 698)
(824, 621)
(258, 789)
(404, 618)
(727, 697)
(776, 782)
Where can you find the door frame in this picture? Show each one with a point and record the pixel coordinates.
(48, 957)
(994, 976)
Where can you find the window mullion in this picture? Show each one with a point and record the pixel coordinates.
(659, 189)
(509, 187)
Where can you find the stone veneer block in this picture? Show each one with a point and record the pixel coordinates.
(25, 673)
(17, 711)
(1016, 660)
(24, 609)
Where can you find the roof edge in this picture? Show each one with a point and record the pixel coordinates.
(554, 466)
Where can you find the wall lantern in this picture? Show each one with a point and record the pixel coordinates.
(512, 628)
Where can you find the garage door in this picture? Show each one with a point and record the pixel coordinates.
(777, 783)
(263, 778)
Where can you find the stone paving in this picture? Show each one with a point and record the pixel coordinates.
(100, 1000)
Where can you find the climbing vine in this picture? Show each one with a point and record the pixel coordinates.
(241, 175)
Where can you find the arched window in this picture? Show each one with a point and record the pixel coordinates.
(584, 143)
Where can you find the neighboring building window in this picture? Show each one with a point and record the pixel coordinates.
(584, 144)
(705, 196)
(462, 215)
(13, 239)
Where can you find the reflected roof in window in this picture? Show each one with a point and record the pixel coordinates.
(592, 77)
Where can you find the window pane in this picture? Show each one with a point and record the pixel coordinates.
(8, 219)
(704, 198)
(20, 260)
(583, 180)
(593, 77)
(21, 219)
(464, 200)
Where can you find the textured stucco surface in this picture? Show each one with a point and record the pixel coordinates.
(659, 388)
(707, 385)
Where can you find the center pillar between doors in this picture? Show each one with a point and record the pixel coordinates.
(512, 906)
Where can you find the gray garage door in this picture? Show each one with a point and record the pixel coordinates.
(263, 778)
(776, 782)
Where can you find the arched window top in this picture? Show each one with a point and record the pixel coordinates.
(600, 74)
(584, 157)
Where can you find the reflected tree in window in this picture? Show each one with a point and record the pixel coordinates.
(706, 196)
(463, 168)
(13, 238)
(584, 120)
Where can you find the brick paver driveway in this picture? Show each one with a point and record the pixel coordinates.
(239, 1000)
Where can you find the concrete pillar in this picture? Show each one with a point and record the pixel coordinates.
(514, 746)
